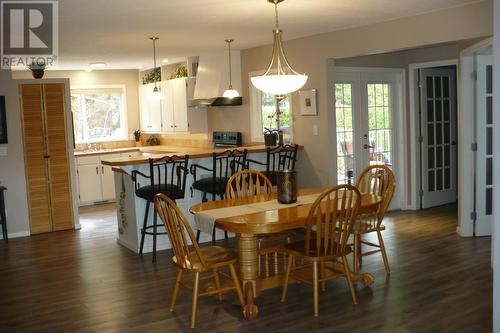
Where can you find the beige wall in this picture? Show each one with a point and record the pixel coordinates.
(310, 55)
(129, 78)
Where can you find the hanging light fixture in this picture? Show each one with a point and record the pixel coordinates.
(230, 92)
(280, 78)
(156, 91)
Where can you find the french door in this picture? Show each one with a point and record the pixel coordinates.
(367, 104)
(438, 136)
(484, 135)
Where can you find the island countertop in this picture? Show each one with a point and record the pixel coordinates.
(160, 151)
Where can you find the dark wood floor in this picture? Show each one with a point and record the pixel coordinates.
(82, 281)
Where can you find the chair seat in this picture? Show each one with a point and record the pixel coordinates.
(297, 248)
(364, 227)
(148, 192)
(207, 185)
(215, 256)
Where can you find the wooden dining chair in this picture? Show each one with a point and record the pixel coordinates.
(271, 252)
(377, 180)
(207, 260)
(328, 228)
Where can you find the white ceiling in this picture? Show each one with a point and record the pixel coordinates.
(117, 31)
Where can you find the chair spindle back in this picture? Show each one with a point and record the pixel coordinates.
(246, 183)
(332, 215)
(378, 180)
(177, 227)
(281, 158)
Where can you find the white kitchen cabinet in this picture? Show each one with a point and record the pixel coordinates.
(174, 106)
(96, 182)
(89, 183)
(150, 109)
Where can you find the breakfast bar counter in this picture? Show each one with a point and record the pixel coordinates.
(131, 209)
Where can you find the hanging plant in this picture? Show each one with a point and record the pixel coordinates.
(179, 72)
(152, 77)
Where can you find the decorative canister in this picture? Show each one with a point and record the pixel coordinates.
(287, 186)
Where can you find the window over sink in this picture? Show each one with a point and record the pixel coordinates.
(99, 113)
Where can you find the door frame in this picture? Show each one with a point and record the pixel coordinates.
(414, 104)
(466, 157)
(401, 128)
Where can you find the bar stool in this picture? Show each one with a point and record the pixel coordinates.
(3, 218)
(224, 165)
(277, 158)
(167, 175)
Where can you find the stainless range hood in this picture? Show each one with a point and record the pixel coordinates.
(212, 80)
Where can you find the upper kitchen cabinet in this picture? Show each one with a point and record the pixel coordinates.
(150, 109)
(171, 114)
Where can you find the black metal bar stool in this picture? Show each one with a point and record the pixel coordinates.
(167, 175)
(224, 165)
(277, 158)
(3, 218)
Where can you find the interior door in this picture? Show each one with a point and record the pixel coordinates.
(438, 136)
(366, 104)
(35, 157)
(484, 157)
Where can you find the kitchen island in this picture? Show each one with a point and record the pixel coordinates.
(130, 208)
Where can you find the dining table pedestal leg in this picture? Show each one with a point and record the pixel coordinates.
(247, 244)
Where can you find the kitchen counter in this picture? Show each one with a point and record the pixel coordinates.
(160, 151)
(79, 153)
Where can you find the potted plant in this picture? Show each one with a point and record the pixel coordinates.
(137, 138)
(37, 69)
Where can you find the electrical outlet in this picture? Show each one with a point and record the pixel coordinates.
(315, 129)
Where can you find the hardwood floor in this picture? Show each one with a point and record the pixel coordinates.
(82, 281)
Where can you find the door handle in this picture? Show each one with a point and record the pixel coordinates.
(102, 169)
(46, 156)
(366, 146)
(97, 170)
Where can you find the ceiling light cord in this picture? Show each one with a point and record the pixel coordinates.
(229, 41)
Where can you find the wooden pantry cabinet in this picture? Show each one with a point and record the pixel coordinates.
(48, 177)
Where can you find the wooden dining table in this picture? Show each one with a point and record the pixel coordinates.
(248, 226)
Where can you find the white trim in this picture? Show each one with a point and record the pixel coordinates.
(124, 113)
(18, 234)
(414, 154)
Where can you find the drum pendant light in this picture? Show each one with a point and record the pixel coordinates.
(280, 78)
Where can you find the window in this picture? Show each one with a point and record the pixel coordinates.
(99, 114)
(345, 152)
(263, 106)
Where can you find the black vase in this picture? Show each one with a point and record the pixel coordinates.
(37, 73)
(287, 186)
(270, 139)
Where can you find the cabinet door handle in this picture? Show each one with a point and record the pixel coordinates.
(97, 170)
(102, 169)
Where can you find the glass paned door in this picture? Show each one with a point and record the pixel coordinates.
(345, 153)
(365, 111)
(438, 144)
(484, 158)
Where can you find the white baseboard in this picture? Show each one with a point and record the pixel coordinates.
(128, 245)
(18, 234)
(78, 226)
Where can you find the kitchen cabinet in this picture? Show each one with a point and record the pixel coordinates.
(150, 109)
(172, 114)
(96, 182)
(174, 106)
(47, 166)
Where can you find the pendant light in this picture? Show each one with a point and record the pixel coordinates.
(280, 78)
(156, 91)
(230, 92)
